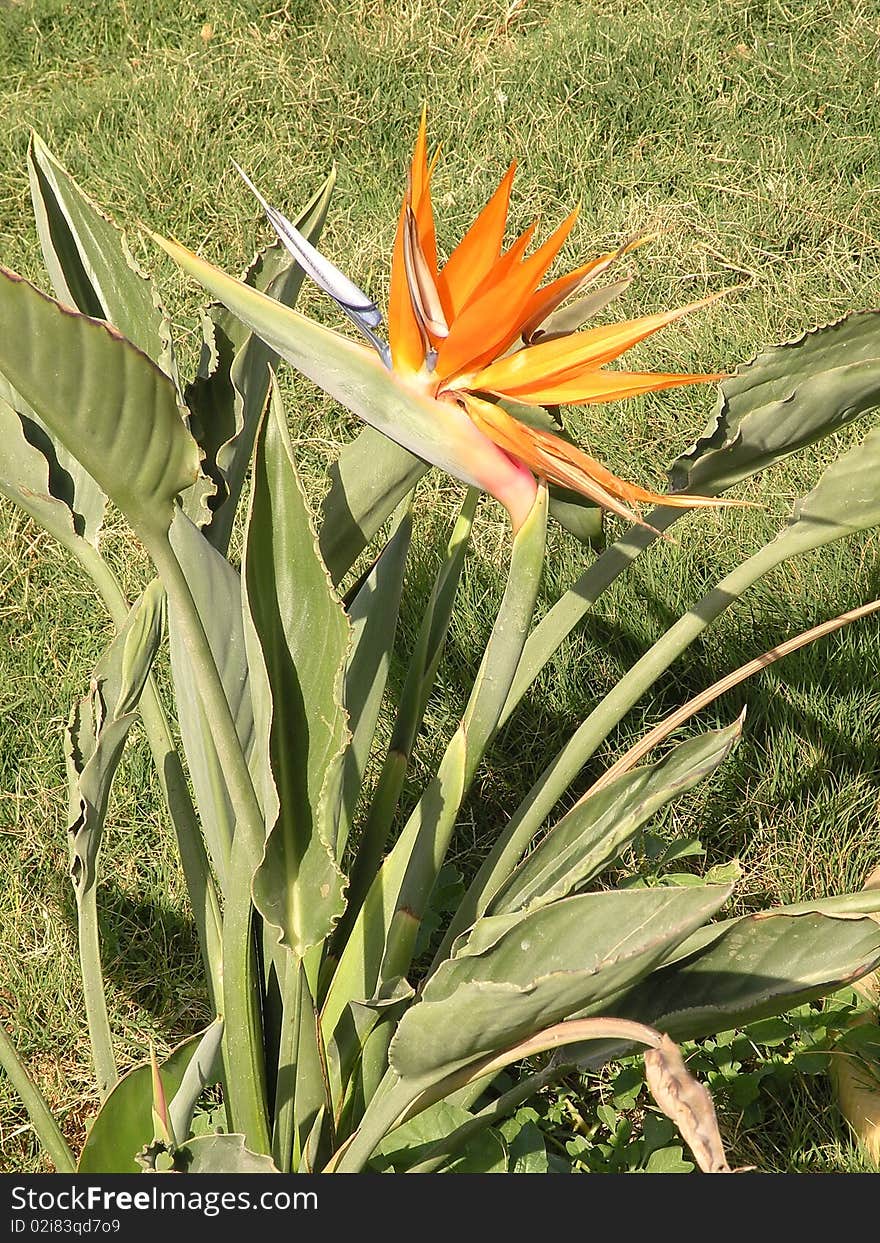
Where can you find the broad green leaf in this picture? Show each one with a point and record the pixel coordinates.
(842, 906)
(112, 408)
(297, 638)
(229, 395)
(98, 727)
(67, 481)
(668, 1161)
(216, 590)
(788, 397)
(757, 966)
(124, 1124)
(528, 1152)
(368, 481)
(88, 259)
(32, 477)
(599, 826)
(517, 975)
(92, 270)
(415, 1140)
(578, 516)
(845, 500)
(220, 1154)
(373, 618)
(203, 1070)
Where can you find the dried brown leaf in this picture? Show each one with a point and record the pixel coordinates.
(687, 1103)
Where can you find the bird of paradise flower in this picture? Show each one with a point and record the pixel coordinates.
(465, 337)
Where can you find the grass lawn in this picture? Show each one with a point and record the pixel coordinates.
(744, 134)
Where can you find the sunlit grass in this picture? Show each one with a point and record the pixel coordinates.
(742, 134)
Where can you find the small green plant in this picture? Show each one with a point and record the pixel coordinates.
(371, 1002)
(605, 1122)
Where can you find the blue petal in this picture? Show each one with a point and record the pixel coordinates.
(360, 309)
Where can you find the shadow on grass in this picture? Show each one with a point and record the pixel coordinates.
(790, 742)
(150, 954)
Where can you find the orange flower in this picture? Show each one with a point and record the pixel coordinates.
(471, 333)
(465, 338)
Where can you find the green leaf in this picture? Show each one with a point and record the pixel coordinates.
(756, 966)
(123, 1126)
(229, 395)
(68, 481)
(729, 873)
(113, 410)
(383, 938)
(42, 1120)
(578, 516)
(93, 745)
(216, 590)
(515, 975)
(368, 481)
(526, 1148)
(845, 500)
(373, 617)
(771, 1031)
(593, 833)
(204, 1069)
(297, 638)
(414, 1141)
(98, 727)
(608, 1116)
(786, 398)
(418, 684)
(31, 475)
(88, 260)
(220, 1154)
(668, 1161)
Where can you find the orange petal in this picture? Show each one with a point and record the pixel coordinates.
(420, 189)
(565, 357)
(559, 462)
(596, 386)
(404, 332)
(478, 250)
(510, 259)
(492, 320)
(548, 457)
(503, 266)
